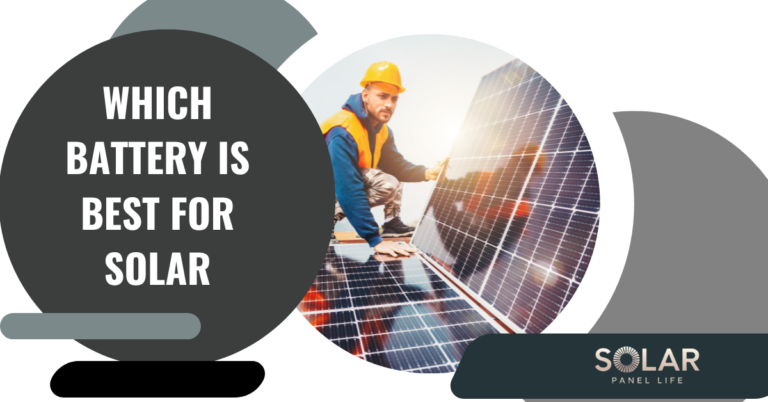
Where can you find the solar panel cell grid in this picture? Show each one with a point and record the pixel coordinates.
(398, 313)
(516, 216)
(448, 368)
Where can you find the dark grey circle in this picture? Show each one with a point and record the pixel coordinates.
(282, 206)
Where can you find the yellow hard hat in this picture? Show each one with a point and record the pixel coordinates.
(383, 71)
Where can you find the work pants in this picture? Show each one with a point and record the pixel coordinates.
(381, 189)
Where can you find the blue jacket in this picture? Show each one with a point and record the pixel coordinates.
(350, 192)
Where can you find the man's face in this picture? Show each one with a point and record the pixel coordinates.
(381, 100)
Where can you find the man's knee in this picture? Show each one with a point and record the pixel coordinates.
(383, 189)
(391, 185)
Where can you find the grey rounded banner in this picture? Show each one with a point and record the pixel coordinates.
(144, 326)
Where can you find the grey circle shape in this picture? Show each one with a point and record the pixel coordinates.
(271, 29)
(696, 262)
(626, 368)
(259, 271)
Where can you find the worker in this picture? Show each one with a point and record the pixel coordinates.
(368, 169)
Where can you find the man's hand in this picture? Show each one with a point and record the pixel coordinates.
(434, 171)
(393, 249)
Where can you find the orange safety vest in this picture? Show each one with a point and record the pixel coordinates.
(346, 119)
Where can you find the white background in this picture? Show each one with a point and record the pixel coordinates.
(697, 60)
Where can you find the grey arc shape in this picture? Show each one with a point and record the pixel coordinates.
(270, 29)
(696, 262)
(100, 326)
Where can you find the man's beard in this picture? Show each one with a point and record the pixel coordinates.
(375, 116)
(384, 120)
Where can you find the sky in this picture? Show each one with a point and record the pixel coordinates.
(440, 74)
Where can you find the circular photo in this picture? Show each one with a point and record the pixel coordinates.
(467, 201)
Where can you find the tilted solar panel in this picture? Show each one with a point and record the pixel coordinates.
(516, 216)
(396, 313)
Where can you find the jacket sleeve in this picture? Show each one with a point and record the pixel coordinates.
(393, 162)
(350, 192)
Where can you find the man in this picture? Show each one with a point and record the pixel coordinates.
(367, 167)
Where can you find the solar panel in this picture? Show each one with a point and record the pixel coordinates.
(397, 313)
(515, 217)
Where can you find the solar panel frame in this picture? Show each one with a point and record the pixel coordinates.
(563, 139)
